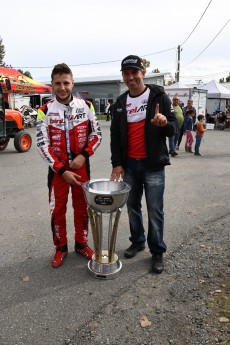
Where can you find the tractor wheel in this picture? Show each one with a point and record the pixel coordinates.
(3, 144)
(22, 141)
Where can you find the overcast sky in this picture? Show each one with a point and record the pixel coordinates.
(46, 32)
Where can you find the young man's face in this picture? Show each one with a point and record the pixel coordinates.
(133, 78)
(62, 86)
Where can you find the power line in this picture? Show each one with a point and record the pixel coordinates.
(197, 23)
(94, 63)
(162, 51)
(82, 64)
(208, 44)
(206, 75)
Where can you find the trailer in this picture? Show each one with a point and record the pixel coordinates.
(199, 97)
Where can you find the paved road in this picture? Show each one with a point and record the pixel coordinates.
(54, 303)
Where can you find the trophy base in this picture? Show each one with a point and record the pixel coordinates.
(105, 270)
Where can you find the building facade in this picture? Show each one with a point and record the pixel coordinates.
(101, 90)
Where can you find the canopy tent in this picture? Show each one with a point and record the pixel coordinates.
(14, 81)
(216, 90)
(177, 85)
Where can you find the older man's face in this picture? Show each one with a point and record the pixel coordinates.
(175, 100)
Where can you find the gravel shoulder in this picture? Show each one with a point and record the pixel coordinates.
(175, 307)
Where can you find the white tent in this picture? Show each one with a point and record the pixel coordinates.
(177, 85)
(216, 90)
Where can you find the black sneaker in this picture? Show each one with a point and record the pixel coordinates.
(133, 250)
(157, 266)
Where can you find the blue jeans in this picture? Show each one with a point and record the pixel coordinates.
(176, 138)
(173, 141)
(197, 145)
(137, 175)
(172, 144)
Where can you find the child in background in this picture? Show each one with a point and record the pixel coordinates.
(188, 127)
(199, 134)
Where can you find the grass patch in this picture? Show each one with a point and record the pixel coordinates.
(101, 117)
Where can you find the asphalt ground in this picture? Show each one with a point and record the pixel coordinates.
(42, 305)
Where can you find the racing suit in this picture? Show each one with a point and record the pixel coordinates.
(63, 132)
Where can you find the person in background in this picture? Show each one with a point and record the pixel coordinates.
(6, 105)
(180, 119)
(67, 135)
(110, 110)
(188, 127)
(188, 107)
(107, 111)
(199, 134)
(142, 119)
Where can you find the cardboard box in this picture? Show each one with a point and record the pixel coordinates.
(210, 125)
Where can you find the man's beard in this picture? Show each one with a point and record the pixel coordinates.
(64, 100)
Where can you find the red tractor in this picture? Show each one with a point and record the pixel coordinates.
(12, 126)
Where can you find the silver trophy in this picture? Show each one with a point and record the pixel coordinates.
(105, 196)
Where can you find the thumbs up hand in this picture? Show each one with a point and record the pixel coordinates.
(159, 119)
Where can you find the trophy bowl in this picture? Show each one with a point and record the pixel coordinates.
(106, 196)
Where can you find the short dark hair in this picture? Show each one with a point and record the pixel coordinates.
(200, 117)
(190, 112)
(61, 68)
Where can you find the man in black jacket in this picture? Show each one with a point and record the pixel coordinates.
(142, 118)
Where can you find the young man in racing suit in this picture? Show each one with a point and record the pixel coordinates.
(142, 118)
(67, 135)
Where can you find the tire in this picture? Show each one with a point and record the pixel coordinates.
(4, 144)
(22, 141)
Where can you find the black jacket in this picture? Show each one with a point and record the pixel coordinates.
(155, 137)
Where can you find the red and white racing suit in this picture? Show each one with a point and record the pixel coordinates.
(63, 132)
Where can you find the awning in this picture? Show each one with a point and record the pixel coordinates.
(14, 81)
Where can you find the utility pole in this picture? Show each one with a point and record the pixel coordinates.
(178, 63)
(199, 81)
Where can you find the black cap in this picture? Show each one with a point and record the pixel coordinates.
(132, 61)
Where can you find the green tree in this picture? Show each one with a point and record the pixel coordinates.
(156, 70)
(145, 63)
(2, 52)
(227, 79)
(26, 73)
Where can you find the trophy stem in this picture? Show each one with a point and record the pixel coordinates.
(99, 222)
(110, 230)
(94, 226)
(114, 235)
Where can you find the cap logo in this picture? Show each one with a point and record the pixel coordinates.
(130, 61)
